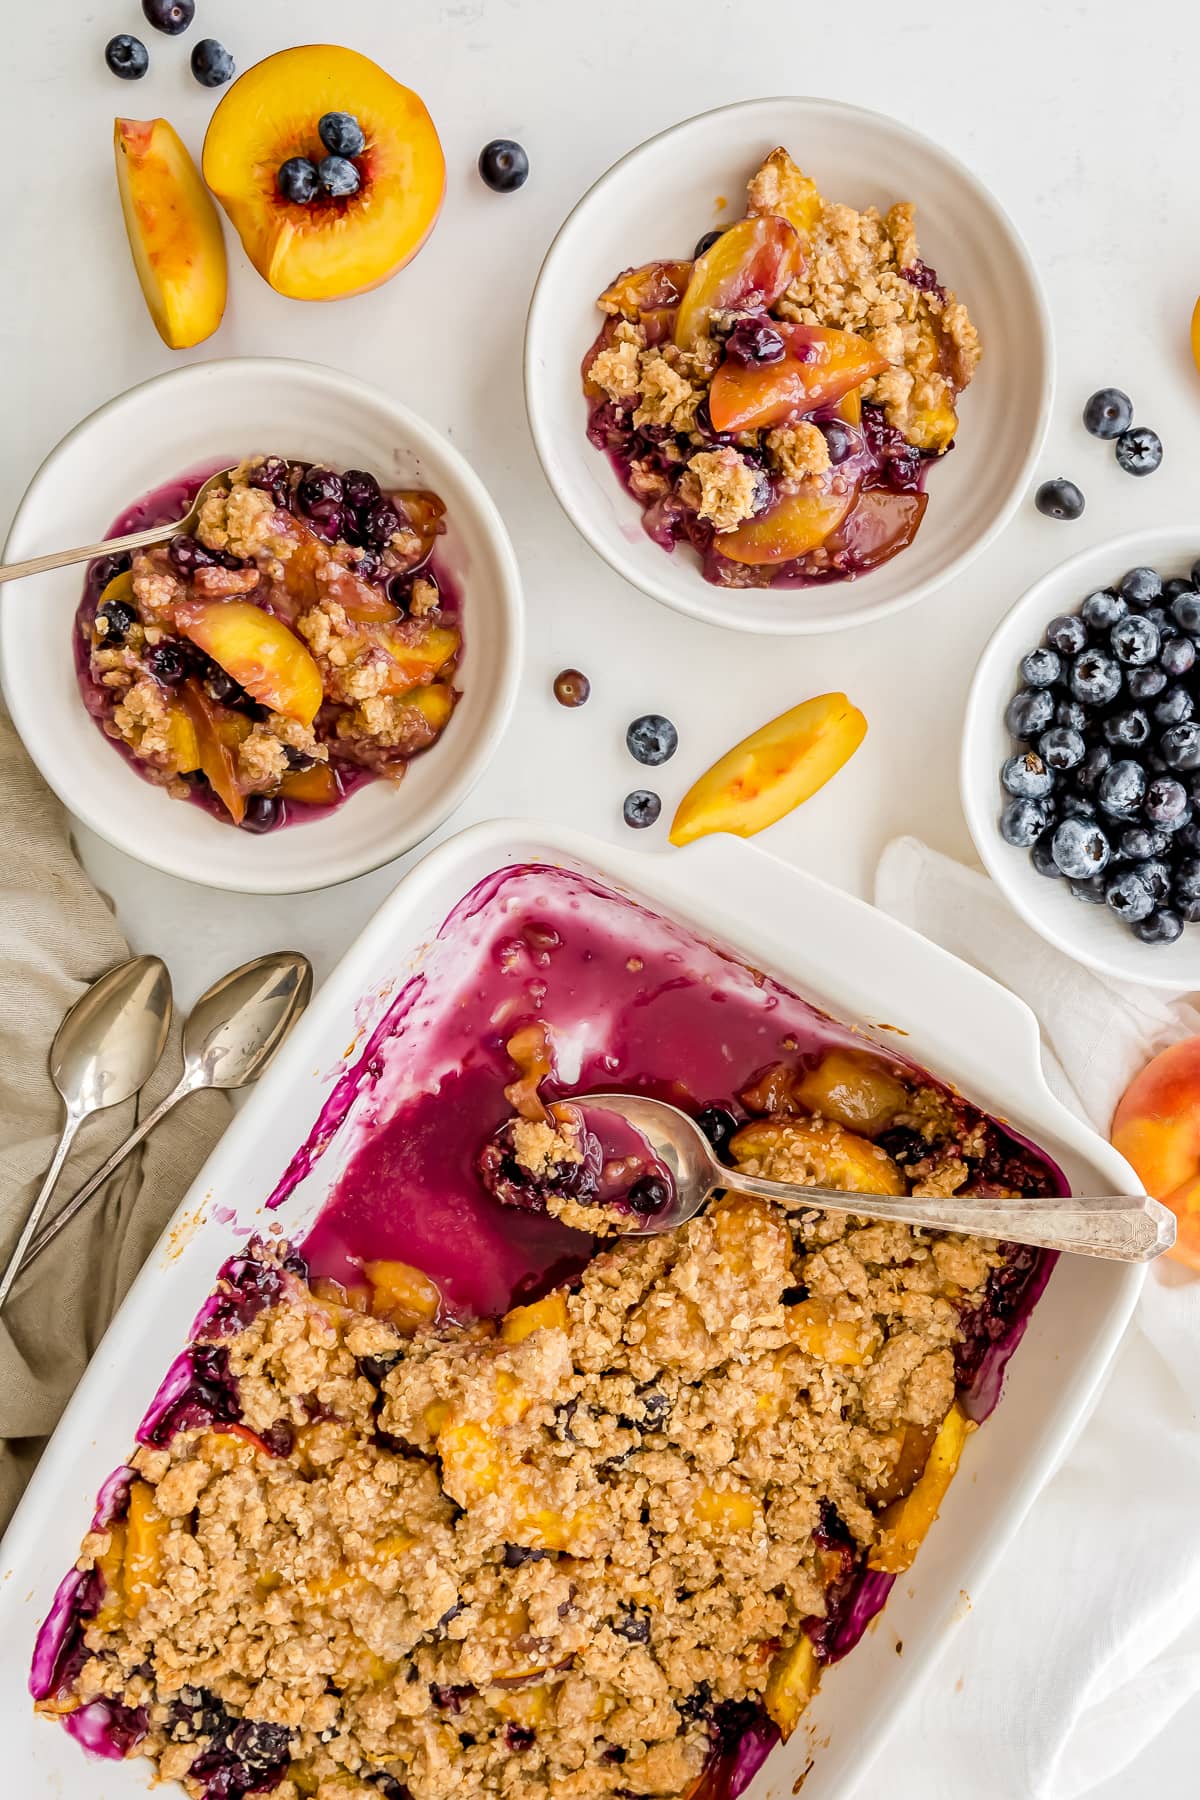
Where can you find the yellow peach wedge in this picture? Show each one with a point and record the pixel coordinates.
(546, 1314)
(853, 1090)
(903, 1526)
(791, 1684)
(259, 651)
(174, 231)
(773, 770)
(401, 1294)
(781, 188)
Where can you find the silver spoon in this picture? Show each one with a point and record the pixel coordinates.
(133, 540)
(106, 1048)
(1117, 1226)
(232, 1033)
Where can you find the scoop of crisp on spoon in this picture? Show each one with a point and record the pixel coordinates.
(1121, 1227)
(133, 540)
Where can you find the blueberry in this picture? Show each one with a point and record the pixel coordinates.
(297, 180)
(753, 342)
(1166, 802)
(271, 474)
(318, 486)
(262, 813)
(652, 739)
(1185, 610)
(338, 176)
(1129, 896)
(1023, 821)
(1093, 889)
(503, 165)
(360, 488)
(127, 57)
(114, 621)
(1177, 656)
(1188, 910)
(1088, 774)
(1127, 730)
(1122, 788)
(718, 1126)
(1061, 748)
(705, 243)
(171, 16)
(1139, 845)
(1161, 927)
(1162, 621)
(1134, 640)
(1072, 714)
(633, 1623)
(167, 663)
(341, 134)
(1059, 499)
(1080, 849)
(648, 1195)
(1067, 633)
(1029, 712)
(1180, 746)
(1157, 877)
(571, 687)
(1195, 573)
(1073, 805)
(1026, 776)
(1139, 451)
(212, 64)
(187, 554)
(380, 522)
(1187, 839)
(1095, 678)
(1042, 854)
(641, 808)
(1102, 609)
(1141, 587)
(839, 439)
(1146, 682)
(1108, 413)
(1041, 668)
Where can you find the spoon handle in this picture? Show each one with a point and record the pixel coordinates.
(134, 540)
(1120, 1227)
(67, 1212)
(12, 1267)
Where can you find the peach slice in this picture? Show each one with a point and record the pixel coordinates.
(791, 1685)
(820, 366)
(877, 527)
(780, 187)
(547, 1314)
(119, 588)
(419, 656)
(174, 232)
(747, 268)
(181, 736)
(259, 651)
(145, 1529)
(904, 1525)
(1157, 1128)
(797, 522)
(655, 284)
(853, 1090)
(330, 247)
(828, 1154)
(771, 771)
(317, 786)
(402, 1294)
(216, 758)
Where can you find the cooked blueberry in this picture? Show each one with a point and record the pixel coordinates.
(515, 1555)
(317, 487)
(1092, 889)
(1108, 413)
(1166, 802)
(503, 165)
(1139, 451)
(1095, 678)
(212, 64)
(1041, 668)
(271, 474)
(839, 439)
(718, 1126)
(754, 341)
(1080, 849)
(1026, 776)
(1127, 730)
(705, 243)
(652, 739)
(1060, 748)
(1161, 927)
(1180, 746)
(338, 176)
(187, 554)
(1139, 845)
(341, 134)
(167, 663)
(1141, 586)
(1102, 609)
(1041, 854)
(262, 813)
(1067, 633)
(1023, 821)
(1122, 788)
(1088, 774)
(1134, 640)
(1185, 610)
(127, 57)
(633, 1624)
(114, 620)
(1071, 713)
(1029, 712)
(648, 1195)
(641, 808)
(1059, 499)
(1147, 681)
(297, 179)
(171, 16)
(380, 522)
(360, 488)
(1129, 896)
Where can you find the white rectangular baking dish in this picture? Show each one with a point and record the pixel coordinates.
(839, 952)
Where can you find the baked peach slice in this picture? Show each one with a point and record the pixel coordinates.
(216, 757)
(654, 285)
(791, 1684)
(173, 229)
(330, 247)
(315, 786)
(905, 1524)
(773, 770)
(260, 653)
(779, 187)
(820, 366)
(878, 526)
(798, 521)
(747, 269)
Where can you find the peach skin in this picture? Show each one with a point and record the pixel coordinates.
(1156, 1127)
(746, 269)
(174, 232)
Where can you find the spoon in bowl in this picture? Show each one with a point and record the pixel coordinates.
(231, 1034)
(106, 1048)
(133, 540)
(1121, 1227)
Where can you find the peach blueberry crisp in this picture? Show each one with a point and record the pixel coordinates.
(777, 400)
(299, 643)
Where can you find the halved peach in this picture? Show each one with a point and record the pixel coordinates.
(820, 366)
(1157, 1127)
(216, 758)
(655, 284)
(259, 651)
(798, 521)
(174, 232)
(748, 267)
(330, 247)
(781, 188)
(771, 771)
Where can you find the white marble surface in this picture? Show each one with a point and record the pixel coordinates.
(1082, 119)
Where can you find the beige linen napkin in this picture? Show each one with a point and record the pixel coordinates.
(57, 936)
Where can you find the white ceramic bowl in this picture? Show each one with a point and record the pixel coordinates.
(656, 202)
(209, 414)
(1089, 933)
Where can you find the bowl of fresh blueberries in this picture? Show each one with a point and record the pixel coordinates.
(1081, 757)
